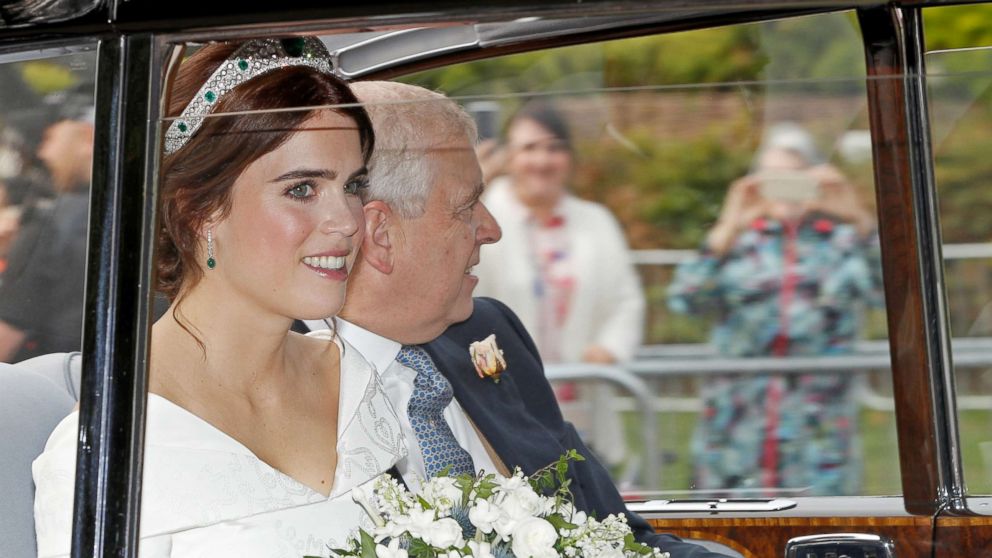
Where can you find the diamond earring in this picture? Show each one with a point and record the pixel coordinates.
(211, 262)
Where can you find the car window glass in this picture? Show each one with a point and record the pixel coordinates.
(641, 144)
(24, 13)
(46, 151)
(959, 80)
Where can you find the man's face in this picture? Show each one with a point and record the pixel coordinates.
(436, 251)
(67, 151)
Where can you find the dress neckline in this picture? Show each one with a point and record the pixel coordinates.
(231, 444)
(236, 446)
(196, 475)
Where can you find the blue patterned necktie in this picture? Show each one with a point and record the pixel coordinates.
(431, 394)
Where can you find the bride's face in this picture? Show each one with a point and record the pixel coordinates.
(295, 223)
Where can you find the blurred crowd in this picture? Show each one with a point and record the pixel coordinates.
(785, 271)
(46, 153)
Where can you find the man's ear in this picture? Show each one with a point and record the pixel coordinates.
(380, 225)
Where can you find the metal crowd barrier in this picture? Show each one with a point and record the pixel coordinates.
(699, 360)
(961, 251)
(643, 398)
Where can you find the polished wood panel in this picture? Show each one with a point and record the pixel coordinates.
(909, 277)
(963, 536)
(765, 537)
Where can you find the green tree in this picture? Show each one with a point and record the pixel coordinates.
(950, 27)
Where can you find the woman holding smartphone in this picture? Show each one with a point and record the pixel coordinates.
(786, 269)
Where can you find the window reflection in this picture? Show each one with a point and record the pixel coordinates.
(658, 145)
(959, 93)
(46, 151)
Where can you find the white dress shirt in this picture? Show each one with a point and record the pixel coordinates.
(397, 382)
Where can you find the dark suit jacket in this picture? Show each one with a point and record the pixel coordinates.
(520, 418)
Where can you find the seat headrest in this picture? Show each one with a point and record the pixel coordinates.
(63, 369)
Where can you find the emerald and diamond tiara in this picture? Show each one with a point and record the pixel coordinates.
(254, 58)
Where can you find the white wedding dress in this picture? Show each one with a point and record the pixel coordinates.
(206, 495)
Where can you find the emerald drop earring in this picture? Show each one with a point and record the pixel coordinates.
(211, 262)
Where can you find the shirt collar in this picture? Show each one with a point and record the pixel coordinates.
(376, 349)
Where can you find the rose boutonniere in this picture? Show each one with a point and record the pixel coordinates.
(487, 358)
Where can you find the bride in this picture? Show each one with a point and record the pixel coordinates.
(255, 435)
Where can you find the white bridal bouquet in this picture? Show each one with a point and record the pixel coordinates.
(488, 516)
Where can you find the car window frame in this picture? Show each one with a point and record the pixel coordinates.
(133, 53)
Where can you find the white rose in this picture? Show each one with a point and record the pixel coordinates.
(419, 522)
(534, 538)
(443, 533)
(483, 515)
(522, 502)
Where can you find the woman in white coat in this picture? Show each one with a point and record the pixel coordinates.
(563, 264)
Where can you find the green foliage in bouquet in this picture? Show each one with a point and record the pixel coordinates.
(488, 516)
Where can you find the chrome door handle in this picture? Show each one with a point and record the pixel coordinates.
(712, 505)
(840, 545)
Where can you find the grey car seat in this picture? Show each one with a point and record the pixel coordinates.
(34, 396)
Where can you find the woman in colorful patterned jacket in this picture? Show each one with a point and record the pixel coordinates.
(786, 270)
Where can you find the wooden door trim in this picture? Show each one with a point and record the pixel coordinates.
(910, 239)
(761, 537)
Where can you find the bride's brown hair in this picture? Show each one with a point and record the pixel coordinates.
(196, 179)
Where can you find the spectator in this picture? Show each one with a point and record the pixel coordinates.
(9, 218)
(41, 293)
(563, 264)
(17, 177)
(786, 271)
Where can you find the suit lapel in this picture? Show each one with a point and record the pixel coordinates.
(501, 467)
(497, 410)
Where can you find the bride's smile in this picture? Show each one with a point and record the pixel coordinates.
(298, 204)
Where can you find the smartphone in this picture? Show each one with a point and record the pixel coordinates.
(486, 116)
(794, 186)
